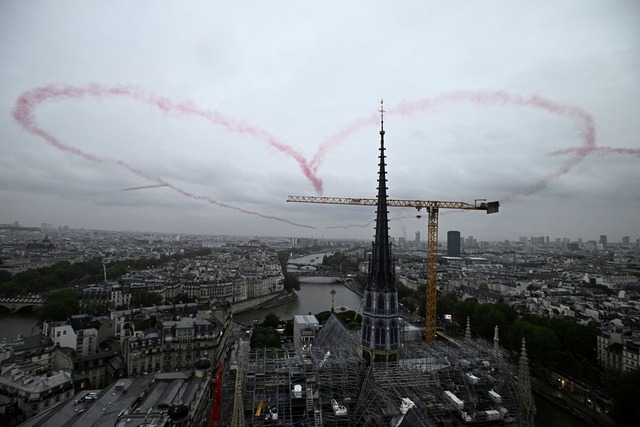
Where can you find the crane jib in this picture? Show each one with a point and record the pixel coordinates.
(479, 204)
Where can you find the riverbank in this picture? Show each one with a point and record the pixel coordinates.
(265, 301)
(571, 403)
(283, 299)
(354, 287)
(312, 298)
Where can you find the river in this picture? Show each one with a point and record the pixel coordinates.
(12, 325)
(314, 297)
(550, 415)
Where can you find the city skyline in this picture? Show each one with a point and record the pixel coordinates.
(202, 120)
(467, 241)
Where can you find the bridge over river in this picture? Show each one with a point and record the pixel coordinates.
(16, 304)
(311, 269)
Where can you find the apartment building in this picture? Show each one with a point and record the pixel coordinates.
(185, 341)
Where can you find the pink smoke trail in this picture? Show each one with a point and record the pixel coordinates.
(27, 103)
(429, 106)
(24, 114)
(337, 139)
(144, 187)
(601, 151)
(30, 100)
(347, 226)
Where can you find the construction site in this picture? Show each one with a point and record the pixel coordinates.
(447, 383)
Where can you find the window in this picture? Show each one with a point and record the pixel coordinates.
(380, 335)
(366, 331)
(394, 333)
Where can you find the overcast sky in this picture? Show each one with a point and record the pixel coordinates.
(202, 117)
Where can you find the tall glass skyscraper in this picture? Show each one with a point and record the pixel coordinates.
(453, 243)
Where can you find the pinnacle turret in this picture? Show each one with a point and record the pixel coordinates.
(525, 397)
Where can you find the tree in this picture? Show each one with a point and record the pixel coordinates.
(542, 342)
(59, 305)
(265, 337)
(625, 389)
(271, 320)
(362, 279)
(9, 288)
(183, 298)
(5, 276)
(339, 262)
(348, 318)
(291, 282)
(97, 308)
(142, 298)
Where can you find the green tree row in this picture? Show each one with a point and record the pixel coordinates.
(64, 274)
(339, 262)
(61, 304)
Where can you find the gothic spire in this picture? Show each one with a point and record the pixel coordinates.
(381, 274)
(380, 326)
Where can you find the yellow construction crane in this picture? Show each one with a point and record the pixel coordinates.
(431, 207)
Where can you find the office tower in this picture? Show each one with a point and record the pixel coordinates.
(603, 240)
(453, 243)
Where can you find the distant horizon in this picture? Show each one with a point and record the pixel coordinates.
(552, 238)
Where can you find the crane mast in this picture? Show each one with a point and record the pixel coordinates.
(432, 208)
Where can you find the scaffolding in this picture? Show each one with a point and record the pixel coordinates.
(447, 383)
(274, 387)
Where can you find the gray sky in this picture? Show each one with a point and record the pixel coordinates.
(220, 110)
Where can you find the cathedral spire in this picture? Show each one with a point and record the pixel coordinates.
(381, 275)
(380, 325)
